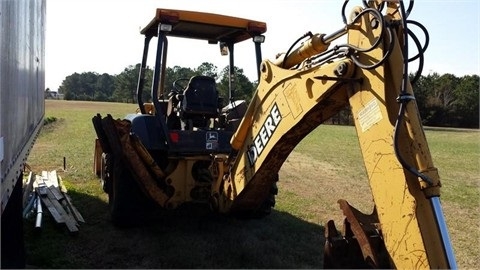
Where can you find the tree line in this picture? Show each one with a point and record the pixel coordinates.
(442, 100)
(91, 86)
(448, 101)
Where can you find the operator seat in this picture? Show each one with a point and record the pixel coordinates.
(200, 102)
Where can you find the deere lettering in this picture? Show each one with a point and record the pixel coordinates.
(266, 132)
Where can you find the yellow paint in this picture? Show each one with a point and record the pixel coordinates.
(406, 216)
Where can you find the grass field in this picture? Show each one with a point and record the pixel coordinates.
(323, 168)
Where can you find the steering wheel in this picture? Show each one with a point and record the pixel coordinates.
(180, 84)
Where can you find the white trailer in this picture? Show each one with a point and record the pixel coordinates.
(22, 108)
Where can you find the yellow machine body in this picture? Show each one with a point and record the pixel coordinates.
(296, 93)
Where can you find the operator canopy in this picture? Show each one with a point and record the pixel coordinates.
(205, 26)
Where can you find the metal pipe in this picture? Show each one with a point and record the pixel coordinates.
(231, 73)
(38, 221)
(258, 54)
(161, 88)
(158, 67)
(316, 44)
(437, 209)
(327, 39)
(159, 80)
(29, 206)
(141, 76)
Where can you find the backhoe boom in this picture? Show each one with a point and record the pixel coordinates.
(296, 94)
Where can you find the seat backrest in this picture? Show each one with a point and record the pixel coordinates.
(200, 98)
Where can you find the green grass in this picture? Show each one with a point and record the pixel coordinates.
(333, 152)
(326, 166)
(458, 157)
(70, 136)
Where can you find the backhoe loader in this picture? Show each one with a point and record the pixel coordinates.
(186, 148)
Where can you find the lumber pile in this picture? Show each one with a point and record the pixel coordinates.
(46, 193)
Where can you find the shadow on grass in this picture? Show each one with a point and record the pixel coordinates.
(176, 240)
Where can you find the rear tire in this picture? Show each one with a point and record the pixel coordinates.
(129, 206)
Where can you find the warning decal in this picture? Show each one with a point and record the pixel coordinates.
(369, 115)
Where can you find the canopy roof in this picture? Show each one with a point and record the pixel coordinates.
(206, 26)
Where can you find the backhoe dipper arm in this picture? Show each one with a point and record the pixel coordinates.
(366, 75)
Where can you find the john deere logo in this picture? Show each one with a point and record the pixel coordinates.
(211, 140)
(266, 132)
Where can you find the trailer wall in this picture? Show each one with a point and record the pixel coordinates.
(22, 86)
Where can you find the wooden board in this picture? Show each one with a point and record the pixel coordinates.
(69, 220)
(46, 201)
(53, 195)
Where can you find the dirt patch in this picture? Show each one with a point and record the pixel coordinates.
(320, 185)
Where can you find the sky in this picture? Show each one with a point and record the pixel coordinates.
(103, 36)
